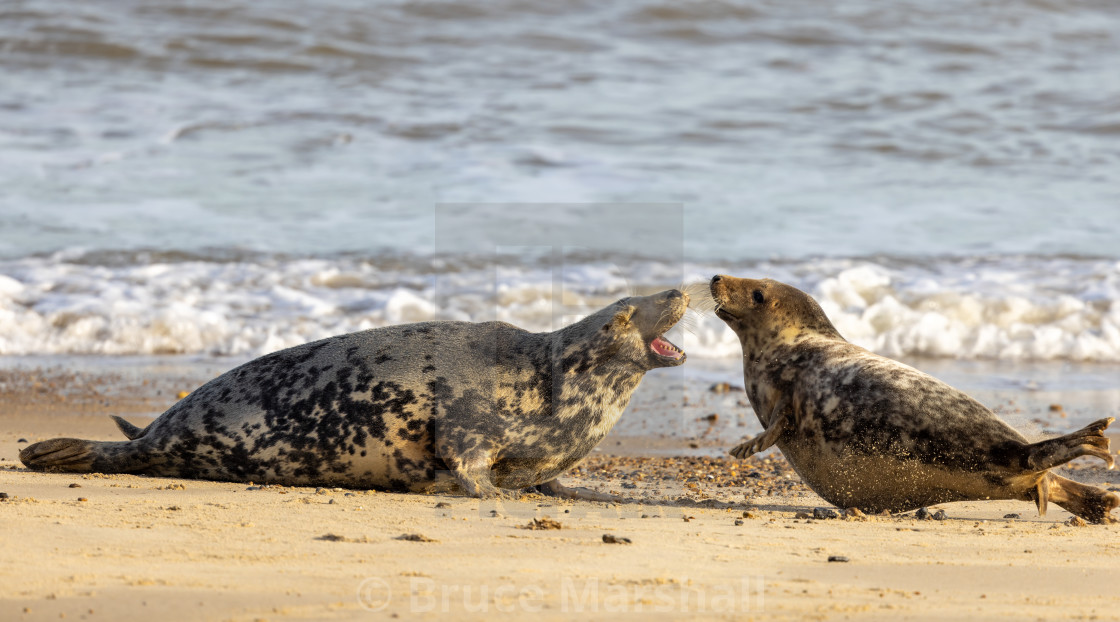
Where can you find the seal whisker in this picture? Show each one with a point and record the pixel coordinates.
(700, 297)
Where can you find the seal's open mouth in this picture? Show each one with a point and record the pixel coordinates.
(662, 347)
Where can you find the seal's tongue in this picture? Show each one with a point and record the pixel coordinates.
(664, 348)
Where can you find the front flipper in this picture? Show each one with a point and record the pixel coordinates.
(553, 488)
(472, 472)
(779, 417)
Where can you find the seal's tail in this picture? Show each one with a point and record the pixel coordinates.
(1088, 441)
(78, 456)
(130, 431)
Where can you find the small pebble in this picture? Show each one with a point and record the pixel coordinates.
(75, 485)
(3, 495)
(800, 515)
(82, 499)
(330, 502)
(22, 440)
(825, 513)
(611, 539)
(940, 515)
(629, 485)
(442, 504)
(837, 558)
(1011, 516)
(922, 514)
(748, 514)
(1076, 521)
(415, 537)
(738, 522)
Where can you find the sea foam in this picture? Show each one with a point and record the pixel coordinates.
(1018, 308)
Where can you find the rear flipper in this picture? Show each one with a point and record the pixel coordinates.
(77, 456)
(1088, 441)
(1089, 502)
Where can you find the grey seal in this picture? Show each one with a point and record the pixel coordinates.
(477, 407)
(865, 431)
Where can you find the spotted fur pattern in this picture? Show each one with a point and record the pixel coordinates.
(412, 407)
(866, 431)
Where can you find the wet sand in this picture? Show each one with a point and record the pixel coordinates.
(709, 537)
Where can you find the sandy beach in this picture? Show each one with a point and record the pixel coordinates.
(709, 537)
(185, 187)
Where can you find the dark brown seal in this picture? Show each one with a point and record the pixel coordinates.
(868, 432)
(414, 407)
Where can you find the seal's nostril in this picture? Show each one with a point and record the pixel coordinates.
(716, 278)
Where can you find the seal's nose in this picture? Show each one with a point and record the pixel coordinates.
(716, 279)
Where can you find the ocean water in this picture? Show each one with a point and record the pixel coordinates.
(226, 178)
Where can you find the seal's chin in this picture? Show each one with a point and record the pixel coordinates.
(661, 347)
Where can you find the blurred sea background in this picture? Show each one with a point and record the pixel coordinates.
(213, 180)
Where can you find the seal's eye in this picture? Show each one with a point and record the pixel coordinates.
(757, 295)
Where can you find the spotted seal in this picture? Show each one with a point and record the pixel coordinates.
(869, 432)
(415, 407)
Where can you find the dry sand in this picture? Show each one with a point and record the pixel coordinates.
(127, 547)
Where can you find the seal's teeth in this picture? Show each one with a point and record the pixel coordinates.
(662, 347)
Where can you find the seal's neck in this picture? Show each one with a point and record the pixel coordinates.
(592, 383)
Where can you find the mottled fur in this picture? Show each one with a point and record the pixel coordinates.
(412, 407)
(869, 432)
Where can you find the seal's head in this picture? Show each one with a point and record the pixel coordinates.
(635, 328)
(763, 311)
